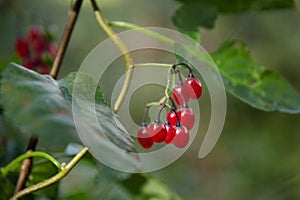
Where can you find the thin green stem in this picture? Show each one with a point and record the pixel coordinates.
(169, 81)
(65, 170)
(128, 59)
(194, 51)
(5, 170)
(152, 65)
(144, 30)
(148, 105)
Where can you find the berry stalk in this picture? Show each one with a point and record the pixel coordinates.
(128, 59)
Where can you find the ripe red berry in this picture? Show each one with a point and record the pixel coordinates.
(22, 47)
(193, 87)
(143, 137)
(187, 117)
(171, 133)
(180, 94)
(171, 118)
(182, 137)
(157, 131)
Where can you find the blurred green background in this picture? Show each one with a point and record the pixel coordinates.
(258, 154)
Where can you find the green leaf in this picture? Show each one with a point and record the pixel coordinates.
(237, 6)
(190, 17)
(142, 186)
(38, 105)
(109, 124)
(253, 84)
(87, 87)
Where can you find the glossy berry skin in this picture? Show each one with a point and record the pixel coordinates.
(187, 117)
(193, 87)
(157, 131)
(171, 133)
(182, 137)
(171, 118)
(143, 137)
(180, 94)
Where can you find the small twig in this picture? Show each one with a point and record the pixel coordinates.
(65, 38)
(128, 60)
(26, 166)
(65, 170)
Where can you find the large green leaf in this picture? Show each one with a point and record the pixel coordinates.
(194, 14)
(36, 105)
(134, 186)
(189, 17)
(87, 87)
(253, 84)
(142, 186)
(39, 105)
(107, 119)
(236, 6)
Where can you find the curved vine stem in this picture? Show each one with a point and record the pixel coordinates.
(65, 170)
(5, 170)
(128, 59)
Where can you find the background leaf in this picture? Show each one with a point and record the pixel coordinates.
(190, 17)
(237, 6)
(253, 84)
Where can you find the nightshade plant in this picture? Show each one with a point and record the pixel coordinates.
(40, 106)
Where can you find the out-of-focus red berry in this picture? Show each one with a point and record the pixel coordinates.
(43, 70)
(52, 50)
(35, 33)
(22, 47)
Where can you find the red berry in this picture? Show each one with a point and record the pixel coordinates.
(180, 94)
(187, 117)
(158, 131)
(171, 117)
(193, 87)
(143, 136)
(39, 46)
(22, 47)
(35, 33)
(182, 137)
(171, 133)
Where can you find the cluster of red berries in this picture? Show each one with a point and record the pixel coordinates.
(178, 121)
(36, 50)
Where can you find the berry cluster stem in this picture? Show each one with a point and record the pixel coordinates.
(65, 38)
(65, 170)
(127, 57)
